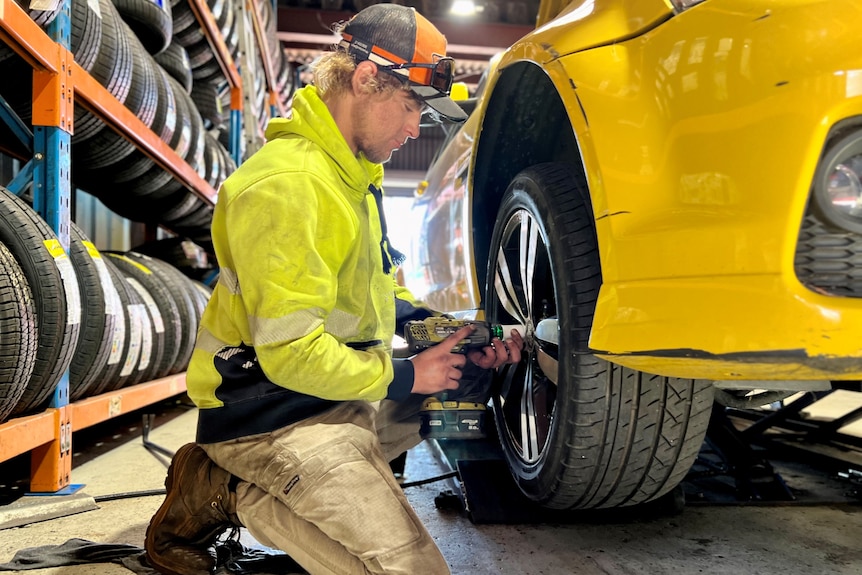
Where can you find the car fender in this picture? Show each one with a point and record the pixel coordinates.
(597, 25)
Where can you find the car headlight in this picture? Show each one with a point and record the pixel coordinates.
(837, 196)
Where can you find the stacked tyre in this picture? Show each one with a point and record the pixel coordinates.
(110, 319)
(106, 43)
(54, 318)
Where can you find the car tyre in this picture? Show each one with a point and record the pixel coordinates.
(578, 432)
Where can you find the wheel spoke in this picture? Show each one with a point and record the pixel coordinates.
(503, 286)
(503, 282)
(528, 243)
(529, 431)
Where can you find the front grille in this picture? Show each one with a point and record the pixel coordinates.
(829, 262)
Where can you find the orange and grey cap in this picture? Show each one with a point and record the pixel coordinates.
(403, 42)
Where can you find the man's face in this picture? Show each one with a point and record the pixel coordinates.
(386, 123)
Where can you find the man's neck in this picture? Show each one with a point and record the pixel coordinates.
(342, 112)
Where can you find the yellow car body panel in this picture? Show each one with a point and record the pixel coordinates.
(598, 23)
(697, 238)
(699, 133)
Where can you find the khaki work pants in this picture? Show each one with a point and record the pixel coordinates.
(322, 491)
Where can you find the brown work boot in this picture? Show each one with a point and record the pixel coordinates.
(200, 505)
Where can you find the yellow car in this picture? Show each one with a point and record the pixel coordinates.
(666, 193)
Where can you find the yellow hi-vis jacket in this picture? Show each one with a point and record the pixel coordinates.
(303, 313)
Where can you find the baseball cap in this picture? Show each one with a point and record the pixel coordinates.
(403, 42)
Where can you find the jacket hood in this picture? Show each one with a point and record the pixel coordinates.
(311, 119)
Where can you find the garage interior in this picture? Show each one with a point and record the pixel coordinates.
(775, 489)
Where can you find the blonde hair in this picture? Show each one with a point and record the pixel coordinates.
(333, 72)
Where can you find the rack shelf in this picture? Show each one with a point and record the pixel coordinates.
(47, 435)
(99, 408)
(23, 434)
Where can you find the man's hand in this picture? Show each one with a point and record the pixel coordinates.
(437, 368)
(499, 352)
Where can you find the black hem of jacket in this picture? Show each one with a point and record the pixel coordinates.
(257, 415)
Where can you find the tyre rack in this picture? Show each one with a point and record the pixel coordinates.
(232, 74)
(268, 70)
(211, 30)
(58, 85)
(254, 138)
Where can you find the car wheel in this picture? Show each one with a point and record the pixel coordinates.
(578, 432)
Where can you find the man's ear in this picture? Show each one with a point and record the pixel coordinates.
(364, 78)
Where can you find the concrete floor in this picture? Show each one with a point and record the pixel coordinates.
(817, 537)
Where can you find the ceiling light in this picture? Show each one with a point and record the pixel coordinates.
(463, 8)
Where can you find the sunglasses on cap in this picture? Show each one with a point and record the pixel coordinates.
(442, 72)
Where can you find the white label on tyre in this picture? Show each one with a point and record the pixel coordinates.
(118, 338)
(146, 341)
(184, 142)
(170, 118)
(108, 288)
(158, 323)
(135, 312)
(46, 5)
(70, 281)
